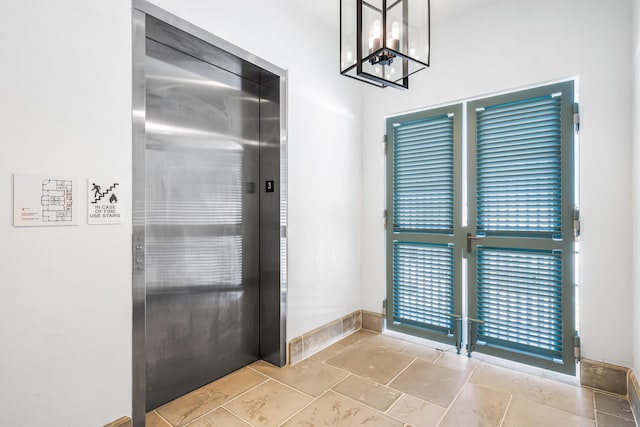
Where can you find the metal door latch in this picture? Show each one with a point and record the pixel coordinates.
(471, 237)
(472, 334)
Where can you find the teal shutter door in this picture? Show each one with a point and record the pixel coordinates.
(517, 239)
(521, 203)
(423, 272)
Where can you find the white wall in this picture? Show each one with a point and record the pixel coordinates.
(65, 309)
(65, 110)
(635, 56)
(509, 44)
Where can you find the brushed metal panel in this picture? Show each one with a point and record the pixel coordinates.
(271, 326)
(138, 216)
(202, 223)
(174, 228)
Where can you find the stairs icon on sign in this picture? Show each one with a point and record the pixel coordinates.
(107, 191)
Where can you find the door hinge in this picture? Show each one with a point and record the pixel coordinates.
(384, 144)
(576, 223)
(576, 346)
(576, 117)
(384, 218)
(384, 307)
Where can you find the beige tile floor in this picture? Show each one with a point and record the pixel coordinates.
(369, 379)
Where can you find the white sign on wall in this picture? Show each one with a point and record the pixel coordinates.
(103, 204)
(40, 200)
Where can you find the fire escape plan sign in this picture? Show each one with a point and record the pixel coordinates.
(40, 200)
(103, 204)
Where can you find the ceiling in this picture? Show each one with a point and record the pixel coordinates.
(441, 10)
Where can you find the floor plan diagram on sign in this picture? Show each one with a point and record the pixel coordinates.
(57, 200)
(41, 200)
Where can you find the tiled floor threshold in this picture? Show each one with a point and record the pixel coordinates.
(369, 379)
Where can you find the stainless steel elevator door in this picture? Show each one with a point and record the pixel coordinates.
(202, 223)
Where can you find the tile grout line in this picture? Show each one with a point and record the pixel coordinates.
(595, 409)
(473, 371)
(292, 388)
(339, 368)
(236, 415)
(440, 355)
(466, 381)
(506, 410)
(162, 418)
(339, 382)
(366, 406)
(346, 346)
(377, 384)
(315, 399)
(402, 394)
(230, 400)
(255, 370)
(530, 399)
(399, 373)
(613, 415)
(318, 352)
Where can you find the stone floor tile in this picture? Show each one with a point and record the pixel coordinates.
(328, 352)
(416, 412)
(613, 405)
(607, 420)
(433, 383)
(421, 352)
(332, 409)
(152, 419)
(459, 362)
(368, 392)
(387, 342)
(219, 418)
(205, 399)
(476, 406)
(309, 376)
(268, 405)
(557, 395)
(375, 363)
(523, 413)
(357, 336)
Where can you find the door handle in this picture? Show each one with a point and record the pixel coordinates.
(471, 237)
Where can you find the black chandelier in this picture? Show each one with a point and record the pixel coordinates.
(383, 42)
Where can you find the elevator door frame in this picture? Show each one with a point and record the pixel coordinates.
(211, 49)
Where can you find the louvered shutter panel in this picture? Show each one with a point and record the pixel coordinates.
(423, 223)
(520, 300)
(423, 285)
(423, 175)
(519, 167)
